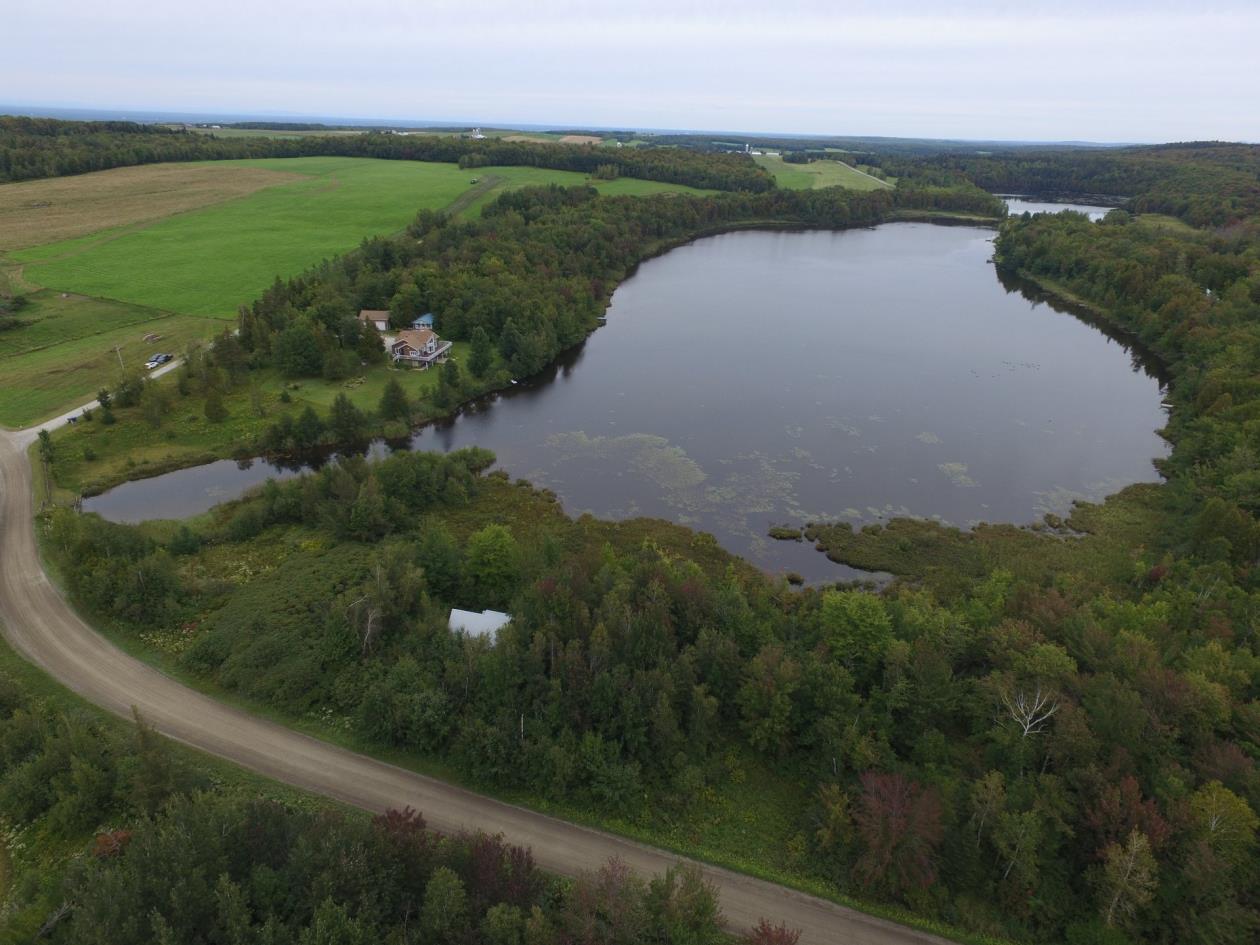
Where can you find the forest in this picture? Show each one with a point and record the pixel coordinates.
(45, 147)
(1206, 184)
(177, 856)
(1053, 746)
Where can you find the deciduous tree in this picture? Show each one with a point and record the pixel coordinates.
(899, 825)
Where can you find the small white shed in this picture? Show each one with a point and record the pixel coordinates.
(484, 624)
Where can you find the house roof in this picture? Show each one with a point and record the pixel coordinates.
(416, 337)
(373, 315)
(424, 320)
(484, 624)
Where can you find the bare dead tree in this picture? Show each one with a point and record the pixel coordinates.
(1031, 711)
(365, 617)
(366, 614)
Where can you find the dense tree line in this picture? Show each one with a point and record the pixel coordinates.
(64, 776)
(255, 871)
(174, 860)
(1205, 183)
(44, 147)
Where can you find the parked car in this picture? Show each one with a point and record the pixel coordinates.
(157, 361)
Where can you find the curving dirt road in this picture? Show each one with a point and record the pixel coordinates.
(37, 621)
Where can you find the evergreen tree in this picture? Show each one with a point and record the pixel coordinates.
(308, 430)
(347, 422)
(482, 354)
(296, 352)
(394, 404)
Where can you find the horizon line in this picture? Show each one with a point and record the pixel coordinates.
(223, 115)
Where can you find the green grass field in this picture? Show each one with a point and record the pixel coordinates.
(212, 260)
(188, 272)
(209, 261)
(512, 177)
(66, 351)
(818, 174)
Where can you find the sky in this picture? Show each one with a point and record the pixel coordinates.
(1106, 70)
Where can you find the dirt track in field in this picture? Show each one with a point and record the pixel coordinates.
(38, 622)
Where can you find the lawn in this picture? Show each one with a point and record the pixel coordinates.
(818, 174)
(65, 351)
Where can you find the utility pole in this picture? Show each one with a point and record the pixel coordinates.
(118, 351)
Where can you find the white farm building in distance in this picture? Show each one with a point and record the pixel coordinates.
(484, 624)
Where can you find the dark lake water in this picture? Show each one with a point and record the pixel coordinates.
(761, 378)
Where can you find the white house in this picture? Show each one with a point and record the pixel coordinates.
(378, 319)
(488, 623)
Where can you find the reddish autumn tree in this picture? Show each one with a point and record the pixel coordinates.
(406, 826)
(111, 843)
(407, 843)
(899, 824)
(1119, 809)
(495, 871)
(606, 908)
(766, 934)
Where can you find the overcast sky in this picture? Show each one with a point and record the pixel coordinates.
(1106, 70)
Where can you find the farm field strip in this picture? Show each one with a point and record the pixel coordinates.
(210, 261)
(37, 212)
(818, 174)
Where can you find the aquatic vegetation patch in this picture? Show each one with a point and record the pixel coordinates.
(957, 474)
(643, 453)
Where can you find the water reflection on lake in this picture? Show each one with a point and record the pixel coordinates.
(757, 378)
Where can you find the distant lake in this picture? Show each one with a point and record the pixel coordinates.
(1016, 205)
(774, 377)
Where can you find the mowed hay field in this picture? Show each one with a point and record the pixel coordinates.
(212, 260)
(818, 174)
(46, 211)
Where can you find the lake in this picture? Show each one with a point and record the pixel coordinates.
(777, 377)
(1017, 204)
